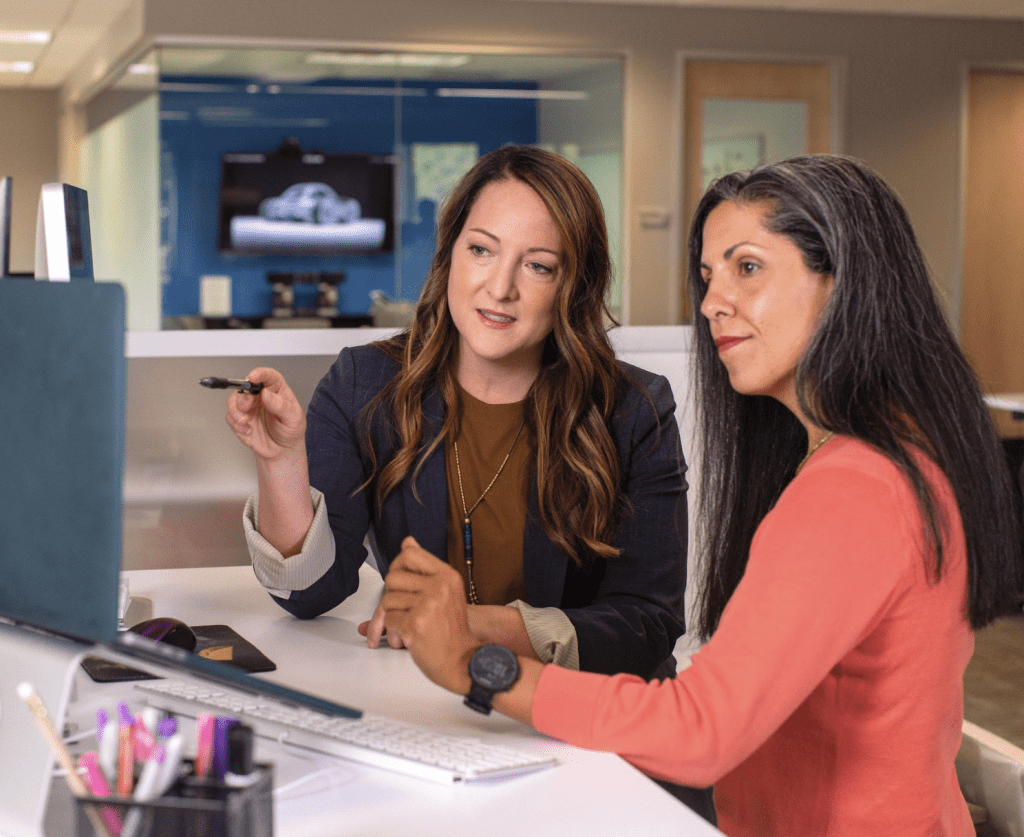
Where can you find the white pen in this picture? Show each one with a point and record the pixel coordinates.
(151, 718)
(146, 789)
(108, 744)
(173, 748)
(148, 786)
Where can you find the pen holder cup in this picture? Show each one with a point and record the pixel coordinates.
(191, 808)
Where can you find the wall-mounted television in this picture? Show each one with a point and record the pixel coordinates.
(306, 203)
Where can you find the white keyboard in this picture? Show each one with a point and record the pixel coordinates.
(370, 740)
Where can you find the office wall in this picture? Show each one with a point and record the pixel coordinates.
(28, 153)
(900, 108)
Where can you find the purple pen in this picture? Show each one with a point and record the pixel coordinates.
(167, 727)
(221, 726)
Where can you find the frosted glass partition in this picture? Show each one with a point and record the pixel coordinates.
(119, 164)
(154, 162)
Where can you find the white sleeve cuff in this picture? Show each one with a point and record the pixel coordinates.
(281, 575)
(552, 634)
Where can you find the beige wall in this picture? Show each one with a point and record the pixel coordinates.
(901, 107)
(28, 154)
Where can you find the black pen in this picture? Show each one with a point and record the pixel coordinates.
(250, 387)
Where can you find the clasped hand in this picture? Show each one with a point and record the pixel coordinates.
(424, 604)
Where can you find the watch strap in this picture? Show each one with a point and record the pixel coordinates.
(479, 698)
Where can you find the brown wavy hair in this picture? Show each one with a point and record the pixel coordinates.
(570, 404)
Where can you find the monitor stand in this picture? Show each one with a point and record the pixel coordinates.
(49, 663)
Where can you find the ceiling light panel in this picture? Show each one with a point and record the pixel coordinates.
(19, 37)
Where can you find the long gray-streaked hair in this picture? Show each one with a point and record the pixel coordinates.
(882, 366)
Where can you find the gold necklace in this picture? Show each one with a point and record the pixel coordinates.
(827, 437)
(467, 531)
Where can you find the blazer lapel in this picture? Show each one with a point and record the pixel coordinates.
(543, 565)
(427, 517)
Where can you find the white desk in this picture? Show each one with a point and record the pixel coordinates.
(587, 793)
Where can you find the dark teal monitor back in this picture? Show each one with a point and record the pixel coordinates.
(62, 423)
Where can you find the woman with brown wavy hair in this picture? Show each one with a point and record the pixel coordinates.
(499, 431)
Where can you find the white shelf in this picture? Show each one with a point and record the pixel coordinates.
(274, 342)
(258, 342)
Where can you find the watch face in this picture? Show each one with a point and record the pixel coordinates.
(494, 668)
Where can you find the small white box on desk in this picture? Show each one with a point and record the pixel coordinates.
(215, 296)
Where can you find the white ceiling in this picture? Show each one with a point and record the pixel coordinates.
(78, 24)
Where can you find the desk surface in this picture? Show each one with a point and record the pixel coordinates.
(587, 793)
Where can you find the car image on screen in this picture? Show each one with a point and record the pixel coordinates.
(311, 203)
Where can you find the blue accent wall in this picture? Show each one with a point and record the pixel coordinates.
(202, 119)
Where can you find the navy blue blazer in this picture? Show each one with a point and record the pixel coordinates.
(627, 611)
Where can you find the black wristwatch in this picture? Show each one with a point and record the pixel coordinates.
(493, 669)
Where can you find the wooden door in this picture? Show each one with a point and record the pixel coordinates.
(992, 321)
(747, 81)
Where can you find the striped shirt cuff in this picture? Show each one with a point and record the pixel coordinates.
(552, 634)
(281, 575)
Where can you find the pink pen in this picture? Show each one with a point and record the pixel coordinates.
(96, 782)
(204, 744)
(143, 740)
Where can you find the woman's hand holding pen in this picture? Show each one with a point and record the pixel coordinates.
(272, 423)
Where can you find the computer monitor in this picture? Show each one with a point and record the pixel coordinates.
(62, 379)
(5, 226)
(62, 376)
(63, 242)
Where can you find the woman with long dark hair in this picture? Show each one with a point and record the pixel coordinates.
(857, 521)
(500, 431)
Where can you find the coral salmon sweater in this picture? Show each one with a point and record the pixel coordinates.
(830, 699)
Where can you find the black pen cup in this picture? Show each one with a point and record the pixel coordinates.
(193, 807)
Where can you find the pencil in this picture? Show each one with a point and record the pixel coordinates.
(27, 692)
